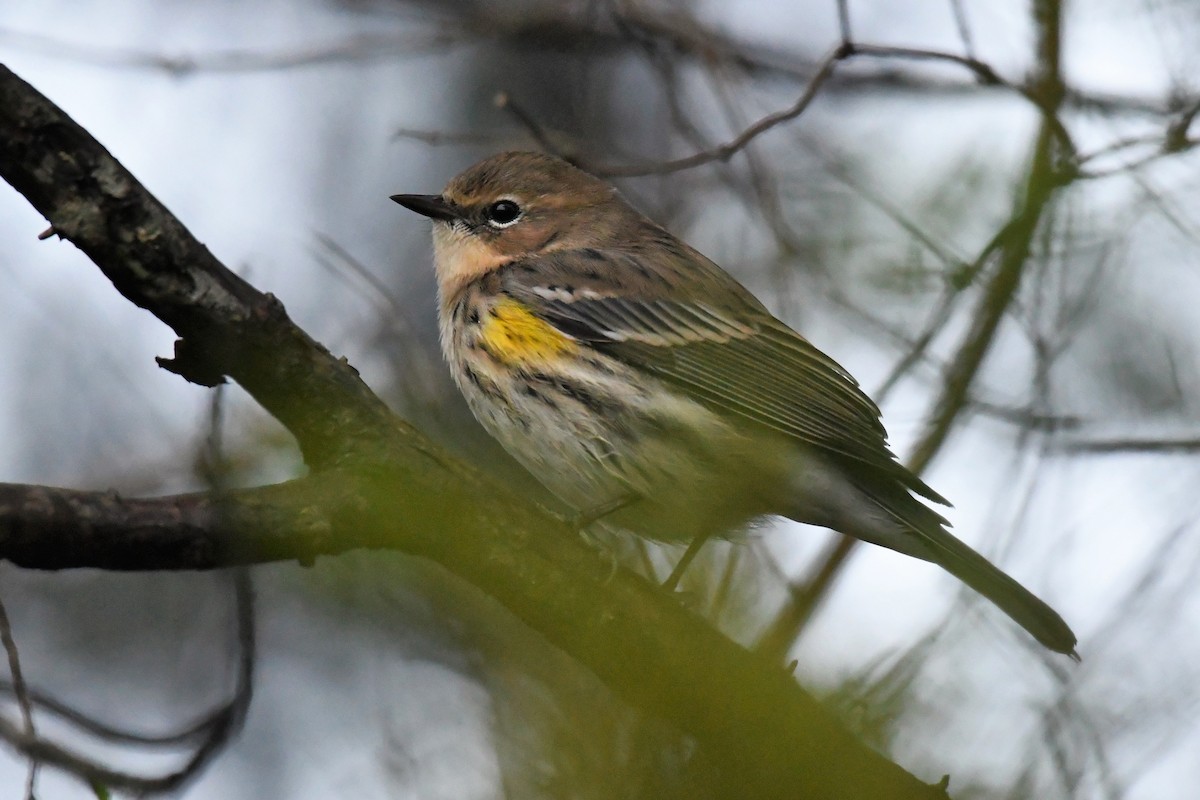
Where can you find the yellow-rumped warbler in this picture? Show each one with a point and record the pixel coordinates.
(614, 361)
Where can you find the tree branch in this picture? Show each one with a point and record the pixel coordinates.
(227, 327)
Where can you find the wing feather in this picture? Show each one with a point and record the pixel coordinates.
(717, 343)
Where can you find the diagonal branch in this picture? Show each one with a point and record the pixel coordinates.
(226, 326)
(755, 721)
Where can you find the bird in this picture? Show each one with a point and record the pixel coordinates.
(627, 371)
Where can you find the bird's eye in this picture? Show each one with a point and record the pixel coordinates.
(503, 213)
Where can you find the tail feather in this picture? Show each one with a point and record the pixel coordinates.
(929, 539)
(1022, 605)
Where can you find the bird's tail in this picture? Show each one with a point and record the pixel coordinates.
(925, 536)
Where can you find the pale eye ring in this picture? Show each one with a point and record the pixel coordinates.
(502, 213)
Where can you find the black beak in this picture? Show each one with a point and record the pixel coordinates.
(433, 206)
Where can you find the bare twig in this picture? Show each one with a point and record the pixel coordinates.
(504, 102)
(804, 594)
(1159, 445)
(1014, 243)
(824, 72)
(964, 28)
(21, 692)
(220, 727)
(982, 71)
(843, 9)
(46, 704)
(339, 260)
(558, 32)
(1177, 133)
(941, 315)
(357, 48)
(439, 138)
(730, 148)
(1047, 103)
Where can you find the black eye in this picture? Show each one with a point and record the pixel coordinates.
(503, 213)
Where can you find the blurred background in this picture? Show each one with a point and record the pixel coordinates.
(1059, 414)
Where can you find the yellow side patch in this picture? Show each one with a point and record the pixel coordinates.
(514, 335)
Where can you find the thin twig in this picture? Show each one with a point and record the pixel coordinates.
(1156, 445)
(225, 722)
(941, 316)
(357, 48)
(729, 149)
(843, 9)
(46, 704)
(826, 68)
(1014, 242)
(504, 101)
(1177, 133)
(964, 29)
(439, 138)
(21, 690)
(983, 72)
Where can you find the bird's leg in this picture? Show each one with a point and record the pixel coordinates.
(689, 555)
(585, 518)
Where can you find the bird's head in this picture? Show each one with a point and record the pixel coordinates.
(517, 205)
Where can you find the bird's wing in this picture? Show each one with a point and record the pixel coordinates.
(705, 334)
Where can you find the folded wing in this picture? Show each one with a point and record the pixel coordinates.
(718, 345)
